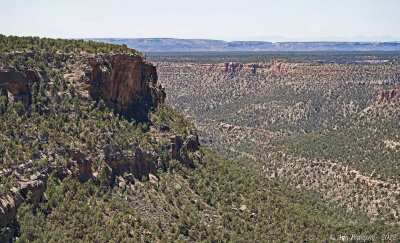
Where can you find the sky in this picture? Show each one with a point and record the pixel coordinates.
(277, 20)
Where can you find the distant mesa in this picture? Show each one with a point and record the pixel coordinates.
(194, 45)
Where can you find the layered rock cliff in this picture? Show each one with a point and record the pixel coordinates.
(126, 83)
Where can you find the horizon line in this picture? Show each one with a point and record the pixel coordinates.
(217, 39)
(288, 41)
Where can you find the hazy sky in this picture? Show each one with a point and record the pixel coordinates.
(210, 19)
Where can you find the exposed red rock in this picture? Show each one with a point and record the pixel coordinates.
(388, 95)
(127, 83)
(15, 84)
(85, 171)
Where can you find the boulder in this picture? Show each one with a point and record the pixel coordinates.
(243, 208)
(153, 179)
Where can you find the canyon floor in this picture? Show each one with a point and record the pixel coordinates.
(326, 123)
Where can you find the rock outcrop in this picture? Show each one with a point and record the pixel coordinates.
(16, 84)
(388, 95)
(85, 171)
(122, 168)
(30, 190)
(141, 163)
(233, 67)
(127, 83)
(181, 147)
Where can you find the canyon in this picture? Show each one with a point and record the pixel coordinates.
(92, 149)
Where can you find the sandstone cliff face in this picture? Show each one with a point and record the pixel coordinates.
(16, 84)
(388, 95)
(139, 164)
(126, 83)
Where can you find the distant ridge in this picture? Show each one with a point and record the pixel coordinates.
(186, 45)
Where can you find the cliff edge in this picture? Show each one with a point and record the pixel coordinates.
(126, 82)
(68, 128)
